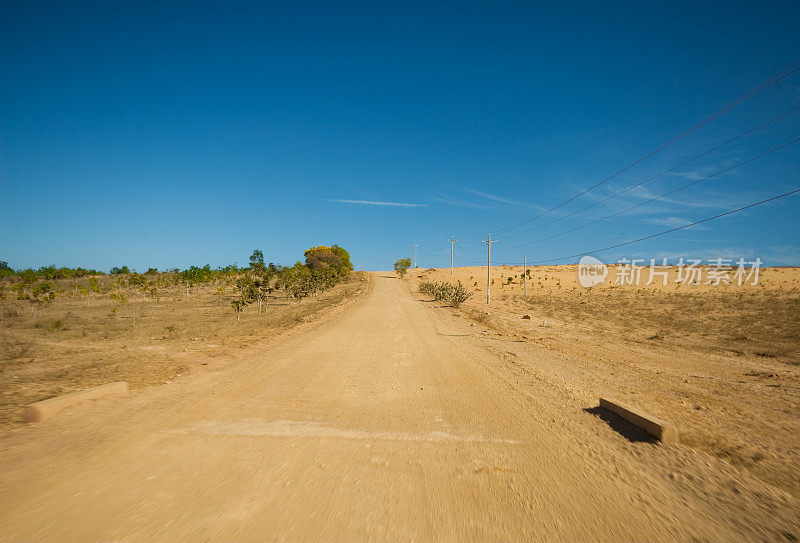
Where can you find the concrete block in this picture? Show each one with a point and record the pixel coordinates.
(652, 425)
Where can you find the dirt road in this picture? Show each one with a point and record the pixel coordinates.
(391, 422)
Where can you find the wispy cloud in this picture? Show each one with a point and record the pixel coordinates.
(456, 202)
(693, 175)
(372, 203)
(696, 201)
(673, 222)
(496, 198)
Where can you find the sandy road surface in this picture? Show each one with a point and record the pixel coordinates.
(391, 422)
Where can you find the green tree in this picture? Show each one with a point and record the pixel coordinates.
(257, 259)
(401, 266)
(247, 293)
(297, 281)
(262, 280)
(333, 258)
(326, 266)
(346, 266)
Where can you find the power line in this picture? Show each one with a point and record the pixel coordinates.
(720, 215)
(761, 155)
(442, 252)
(775, 78)
(668, 193)
(782, 74)
(470, 259)
(673, 168)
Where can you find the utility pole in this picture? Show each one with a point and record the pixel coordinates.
(525, 275)
(415, 254)
(488, 243)
(452, 240)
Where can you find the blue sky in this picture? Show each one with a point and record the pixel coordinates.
(170, 134)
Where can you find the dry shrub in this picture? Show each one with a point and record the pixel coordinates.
(455, 295)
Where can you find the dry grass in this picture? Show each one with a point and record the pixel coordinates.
(78, 341)
(763, 323)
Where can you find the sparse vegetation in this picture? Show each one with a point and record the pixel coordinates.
(77, 330)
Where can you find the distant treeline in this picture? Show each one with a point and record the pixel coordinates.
(317, 258)
(46, 272)
(52, 272)
(323, 267)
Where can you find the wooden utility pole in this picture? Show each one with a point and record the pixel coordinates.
(488, 243)
(415, 254)
(525, 275)
(452, 240)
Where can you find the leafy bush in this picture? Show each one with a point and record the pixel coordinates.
(455, 295)
(334, 260)
(459, 295)
(427, 288)
(401, 266)
(137, 280)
